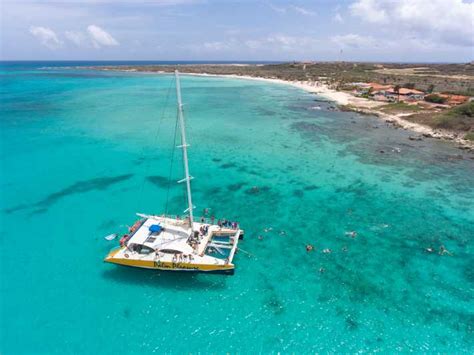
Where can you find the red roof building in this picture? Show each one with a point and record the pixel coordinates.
(405, 91)
(455, 99)
(379, 87)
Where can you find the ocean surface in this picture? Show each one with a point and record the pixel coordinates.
(82, 151)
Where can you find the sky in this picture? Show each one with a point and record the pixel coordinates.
(245, 30)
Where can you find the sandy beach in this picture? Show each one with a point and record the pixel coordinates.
(362, 105)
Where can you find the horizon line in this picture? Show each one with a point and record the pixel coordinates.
(216, 61)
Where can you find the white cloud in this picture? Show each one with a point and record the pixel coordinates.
(291, 43)
(280, 10)
(46, 36)
(275, 43)
(450, 21)
(253, 44)
(216, 46)
(100, 37)
(369, 11)
(338, 18)
(303, 11)
(298, 9)
(286, 42)
(354, 41)
(78, 38)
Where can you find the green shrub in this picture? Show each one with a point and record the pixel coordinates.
(400, 106)
(466, 109)
(459, 118)
(435, 99)
(469, 136)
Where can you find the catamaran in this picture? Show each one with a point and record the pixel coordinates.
(179, 244)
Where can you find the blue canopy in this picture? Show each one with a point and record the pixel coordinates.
(155, 228)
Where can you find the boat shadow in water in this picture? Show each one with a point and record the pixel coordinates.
(183, 281)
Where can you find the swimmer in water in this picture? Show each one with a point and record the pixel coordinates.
(443, 251)
(344, 248)
(309, 248)
(321, 270)
(260, 237)
(352, 234)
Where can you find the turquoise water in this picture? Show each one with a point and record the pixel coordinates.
(82, 151)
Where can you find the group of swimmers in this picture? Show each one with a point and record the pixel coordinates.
(442, 250)
(221, 223)
(228, 224)
(310, 248)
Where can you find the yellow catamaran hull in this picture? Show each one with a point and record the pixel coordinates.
(168, 266)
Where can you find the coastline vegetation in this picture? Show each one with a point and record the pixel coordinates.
(469, 137)
(434, 98)
(459, 118)
(398, 107)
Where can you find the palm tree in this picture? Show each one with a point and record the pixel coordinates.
(396, 89)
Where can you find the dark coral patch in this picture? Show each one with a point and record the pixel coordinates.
(214, 190)
(236, 187)
(126, 313)
(255, 190)
(298, 193)
(351, 323)
(228, 165)
(79, 187)
(159, 181)
(275, 305)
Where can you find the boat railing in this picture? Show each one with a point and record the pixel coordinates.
(170, 219)
(176, 220)
(234, 247)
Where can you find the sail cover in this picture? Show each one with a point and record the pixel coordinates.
(155, 228)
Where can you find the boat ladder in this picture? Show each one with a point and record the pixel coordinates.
(234, 247)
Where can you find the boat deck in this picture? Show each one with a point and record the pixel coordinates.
(174, 239)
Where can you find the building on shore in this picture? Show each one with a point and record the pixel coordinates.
(390, 93)
(406, 95)
(387, 93)
(454, 100)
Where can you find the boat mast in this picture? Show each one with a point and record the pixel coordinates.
(184, 146)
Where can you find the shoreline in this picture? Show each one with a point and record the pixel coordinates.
(360, 105)
(346, 101)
